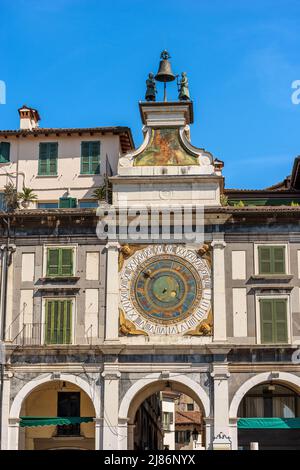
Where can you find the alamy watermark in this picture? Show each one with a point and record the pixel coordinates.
(183, 224)
(295, 97)
(2, 92)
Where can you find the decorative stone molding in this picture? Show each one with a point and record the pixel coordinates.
(218, 244)
(111, 375)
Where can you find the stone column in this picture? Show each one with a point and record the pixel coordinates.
(111, 409)
(219, 299)
(234, 432)
(5, 410)
(98, 433)
(112, 293)
(209, 425)
(13, 433)
(124, 434)
(220, 375)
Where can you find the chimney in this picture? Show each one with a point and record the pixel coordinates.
(29, 118)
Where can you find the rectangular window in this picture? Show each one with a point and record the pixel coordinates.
(273, 320)
(190, 406)
(4, 152)
(60, 262)
(47, 205)
(90, 158)
(167, 420)
(48, 159)
(68, 405)
(88, 204)
(58, 328)
(271, 259)
(182, 437)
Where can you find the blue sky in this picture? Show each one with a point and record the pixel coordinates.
(84, 63)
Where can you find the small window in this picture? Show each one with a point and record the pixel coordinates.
(271, 259)
(48, 159)
(90, 158)
(67, 202)
(59, 262)
(190, 406)
(273, 320)
(88, 204)
(58, 328)
(47, 205)
(4, 152)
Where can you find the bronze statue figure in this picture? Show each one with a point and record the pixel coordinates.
(151, 88)
(184, 93)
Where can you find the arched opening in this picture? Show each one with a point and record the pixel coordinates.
(57, 415)
(269, 414)
(167, 414)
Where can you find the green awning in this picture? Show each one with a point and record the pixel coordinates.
(27, 421)
(269, 423)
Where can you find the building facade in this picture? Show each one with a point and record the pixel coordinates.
(175, 279)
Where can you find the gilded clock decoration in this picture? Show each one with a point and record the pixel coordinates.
(166, 289)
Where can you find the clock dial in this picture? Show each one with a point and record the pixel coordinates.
(165, 289)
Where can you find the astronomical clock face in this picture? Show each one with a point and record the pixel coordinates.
(165, 289)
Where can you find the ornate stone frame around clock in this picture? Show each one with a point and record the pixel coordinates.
(127, 327)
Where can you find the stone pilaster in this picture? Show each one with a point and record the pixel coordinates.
(112, 293)
(220, 375)
(219, 299)
(111, 409)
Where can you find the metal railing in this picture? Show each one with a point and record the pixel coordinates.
(29, 335)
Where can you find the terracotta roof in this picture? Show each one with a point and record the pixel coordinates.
(126, 138)
(187, 417)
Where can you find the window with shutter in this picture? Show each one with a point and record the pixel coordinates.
(60, 262)
(67, 202)
(58, 328)
(90, 158)
(4, 152)
(273, 319)
(271, 259)
(48, 158)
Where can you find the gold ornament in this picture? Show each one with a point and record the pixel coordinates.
(127, 327)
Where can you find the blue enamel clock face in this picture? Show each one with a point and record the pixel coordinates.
(166, 289)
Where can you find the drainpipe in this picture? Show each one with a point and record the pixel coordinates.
(6, 256)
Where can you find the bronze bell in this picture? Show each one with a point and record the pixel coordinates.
(164, 73)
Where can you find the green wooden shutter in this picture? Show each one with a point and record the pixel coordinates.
(85, 158)
(264, 254)
(67, 202)
(48, 158)
(53, 262)
(4, 152)
(66, 261)
(58, 322)
(278, 258)
(266, 321)
(94, 157)
(43, 159)
(53, 153)
(280, 319)
(90, 158)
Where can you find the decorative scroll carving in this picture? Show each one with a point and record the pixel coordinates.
(127, 327)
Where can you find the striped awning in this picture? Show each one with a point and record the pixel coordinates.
(29, 421)
(269, 423)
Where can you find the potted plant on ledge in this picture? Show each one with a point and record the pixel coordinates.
(103, 193)
(26, 197)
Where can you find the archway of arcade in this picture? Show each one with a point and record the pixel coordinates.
(57, 415)
(166, 414)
